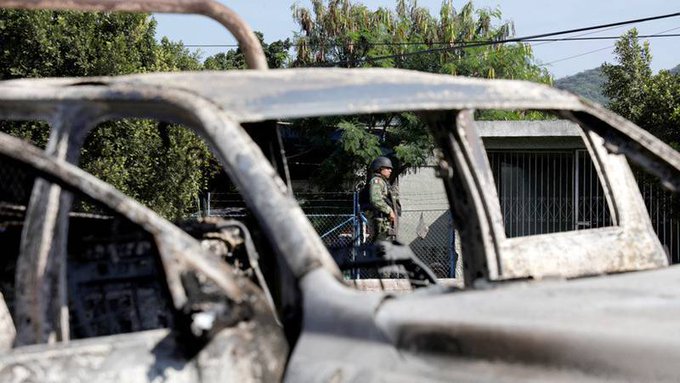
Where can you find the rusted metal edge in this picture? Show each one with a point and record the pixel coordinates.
(248, 42)
(253, 96)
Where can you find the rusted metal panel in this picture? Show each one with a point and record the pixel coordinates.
(616, 328)
(630, 245)
(582, 253)
(107, 359)
(244, 353)
(248, 42)
(547, 331)
(638, 145)
(457, 169)
(40, 269)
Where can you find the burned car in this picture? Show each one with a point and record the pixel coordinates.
(588, 305)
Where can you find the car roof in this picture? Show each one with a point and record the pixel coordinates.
(255, 95)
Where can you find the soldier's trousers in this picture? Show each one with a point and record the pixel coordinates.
(380, 229)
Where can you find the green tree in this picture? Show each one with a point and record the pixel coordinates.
(651, 101)
(661, 112)
(458, 42)
(627, 82)
(350, 35)
(164, 168)
(277, 54)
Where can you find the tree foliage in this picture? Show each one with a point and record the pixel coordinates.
(276, 54)
(346, 34)
(651, 101)
(626, 83)
(458, 42)
(164, 168)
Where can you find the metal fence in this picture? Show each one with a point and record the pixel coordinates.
(428, 233)
(664, 211)
(544, 192)
(431, 236)
(342, 227)
(552, 191)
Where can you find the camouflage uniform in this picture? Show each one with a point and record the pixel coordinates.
(381, 201)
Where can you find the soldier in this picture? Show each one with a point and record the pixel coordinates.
(382, 212)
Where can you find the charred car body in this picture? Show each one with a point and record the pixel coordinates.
(527, 312)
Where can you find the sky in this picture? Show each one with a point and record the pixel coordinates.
(530, 17)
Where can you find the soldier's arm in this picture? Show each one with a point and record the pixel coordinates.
(376, 197)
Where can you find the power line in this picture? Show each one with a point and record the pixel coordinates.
(584, 34)
(448, 43)
(578, 55)
(510, 40)
(603, 38)
(608, 47)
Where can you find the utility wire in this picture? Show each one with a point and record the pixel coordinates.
(584, 34)
(603, 38)
(510, 40)
(462, 43)
(660, 34)
(576, 56)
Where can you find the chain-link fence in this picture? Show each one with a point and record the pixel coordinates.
(342, 227)
(431, 236)
(428, 233)
(337, 231)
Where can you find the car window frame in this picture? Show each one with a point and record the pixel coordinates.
(630, 244)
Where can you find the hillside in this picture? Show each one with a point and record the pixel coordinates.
(587, 84)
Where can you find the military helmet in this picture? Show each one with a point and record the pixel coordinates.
(380, 162)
